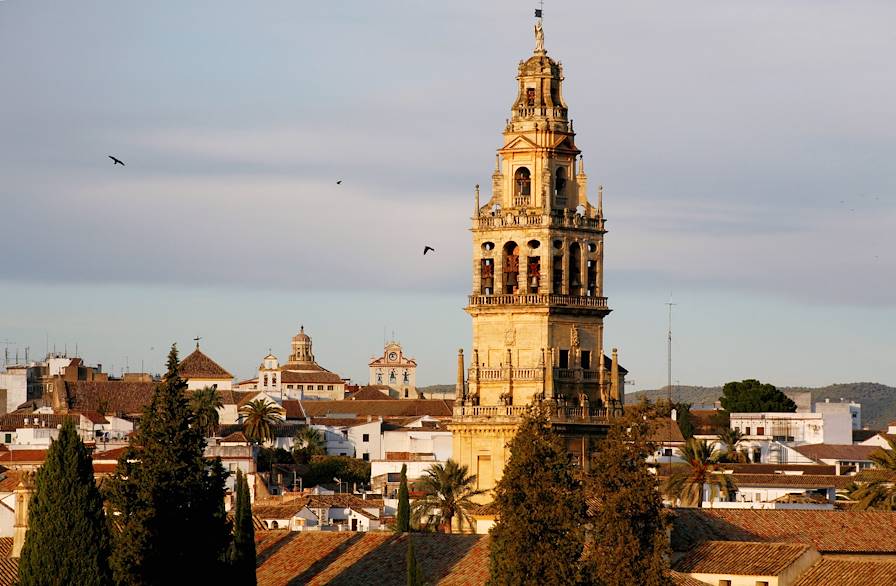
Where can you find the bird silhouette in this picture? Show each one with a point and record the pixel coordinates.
(339, 182)
(427, 249)
(116, 161)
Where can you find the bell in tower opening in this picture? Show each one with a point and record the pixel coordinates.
(537, 301)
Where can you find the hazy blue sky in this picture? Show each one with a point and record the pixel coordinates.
(746, 147)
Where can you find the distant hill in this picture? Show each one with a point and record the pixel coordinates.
(878, 401)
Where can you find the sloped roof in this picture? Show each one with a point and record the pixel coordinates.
(371, 393)
(679, 579)
(361, 408)
(9, 569)
(813, 469)
(10, 480)
(237, 436)
(198, 365)
(347, 558)
(847, 452)
(109, 396)
(663, 431)
(810, 481)
(848, 572)
(742, 558)
(317, 376)
(860, 532)
(14, 421)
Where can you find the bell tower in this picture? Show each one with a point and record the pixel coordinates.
(537, 301)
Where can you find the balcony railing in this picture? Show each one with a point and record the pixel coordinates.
(558, 413)
(556, 219)
(487, 374)
(521, 201)
(539, 299)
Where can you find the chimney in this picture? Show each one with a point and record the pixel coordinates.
(459, 385)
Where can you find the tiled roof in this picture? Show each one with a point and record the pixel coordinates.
(10, 481)
(282, 511)
(848, 452)
(342, 421)
(320, 376)
(849, 572)
(198, 365)
(679, 579)
(110, 455)
(814, 469)
(361, 408)
(371, 393)
(792, 480)
(109, 396)
(14, 421)
(860, 435)
(293, 409)
(95, 417)
(741, 558)
(346, 558)
(663, 431)
(234, 437)
(9, 570)
(865, 532)
(22, 456)
(5, 547)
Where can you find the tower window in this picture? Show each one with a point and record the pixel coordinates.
(511, 267)
(575, 269)
(522, 180)
(534, 273)
(530, 96)
(557, 277)
(586, 359)
(560, 182)
(486, 276)
(592, 278)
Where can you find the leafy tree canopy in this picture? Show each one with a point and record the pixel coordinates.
(323, 469)
(752, 396)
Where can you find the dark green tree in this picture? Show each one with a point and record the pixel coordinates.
(167, 499)
(685, 419)
(403, 514)
(259, 417)
(415, 572)
(752, 396)
(626, 529)
(205, 403)
(449, 491)
(541, 513)
(242, 558)
(323, 469)
(68, 538)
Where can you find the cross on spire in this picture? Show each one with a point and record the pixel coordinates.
(196, 339)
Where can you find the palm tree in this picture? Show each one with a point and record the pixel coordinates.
(205, 404)
(879, 493)
(730, 438)
(308, 442)
(258, 417)
(686, 486)
(449, 492)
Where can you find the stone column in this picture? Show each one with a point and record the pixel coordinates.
(459, 384)
(614, 376)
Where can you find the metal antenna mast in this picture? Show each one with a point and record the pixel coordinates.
(669, 352)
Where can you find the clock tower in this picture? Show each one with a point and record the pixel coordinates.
(394, 370)
(537, 301)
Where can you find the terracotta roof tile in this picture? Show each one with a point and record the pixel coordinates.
(5, 547)
(13, 421)
(235, 437)
(9, 570)
(792, 480)
(849, 452)
(9, 482)
(128, 398)
(815, 469)
(317, 377)
(371, 393)
(361, 408)
(848, 572)
(741, 558)
(10, 457)
(346, 558)
(679, 579)
(198, 365)
(865, 532)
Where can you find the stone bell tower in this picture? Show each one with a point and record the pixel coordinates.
(537, 302)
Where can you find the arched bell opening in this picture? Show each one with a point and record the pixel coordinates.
(574, 270)
(511, 267)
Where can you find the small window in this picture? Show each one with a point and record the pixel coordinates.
(760, 431)
(8, 438)
(530, 96)
(586, 359)
(299, 387)
(329, 387)
(365, 437)
(724, 582)
(320, 387)
(761, 582)
(365, 456)
(746, 431)
(405, 393)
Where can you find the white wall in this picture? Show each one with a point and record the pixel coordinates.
(419, 442)
(16, 385)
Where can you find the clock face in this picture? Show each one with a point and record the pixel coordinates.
(392, 355)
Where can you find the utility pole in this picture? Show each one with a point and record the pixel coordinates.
(669, 375)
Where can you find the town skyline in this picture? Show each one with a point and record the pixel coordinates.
(233, 160)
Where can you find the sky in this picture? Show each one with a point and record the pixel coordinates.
(746, 149)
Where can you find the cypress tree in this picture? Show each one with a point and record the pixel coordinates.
(540, 510)
(627, 536)
(403, 514)
(415, 572)
(243, 558)
(168, 499)
(68, 538)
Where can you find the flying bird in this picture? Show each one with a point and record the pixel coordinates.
(339, 182)
(427, 249)
(116, 161)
